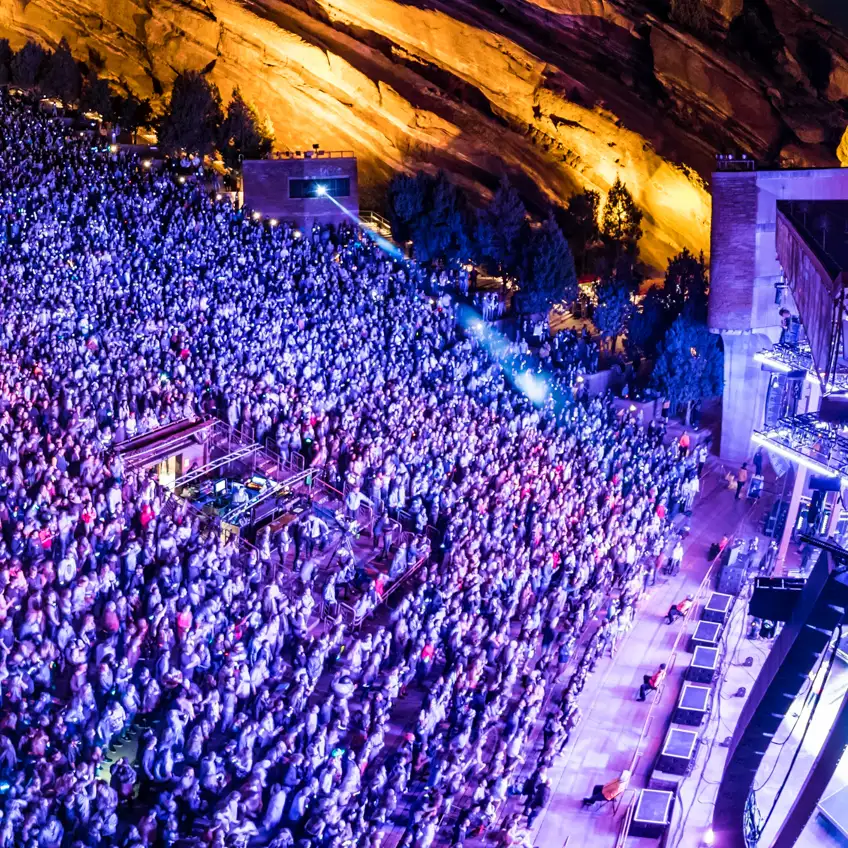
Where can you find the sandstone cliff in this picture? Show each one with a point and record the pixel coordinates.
(564, 94)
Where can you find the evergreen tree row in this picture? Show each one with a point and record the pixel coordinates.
(433, 213)
(194, 120)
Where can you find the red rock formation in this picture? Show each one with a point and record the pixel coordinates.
(564, 94)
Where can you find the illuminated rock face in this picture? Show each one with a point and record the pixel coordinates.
(563, 94)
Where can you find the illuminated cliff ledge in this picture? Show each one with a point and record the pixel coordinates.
(469, 91)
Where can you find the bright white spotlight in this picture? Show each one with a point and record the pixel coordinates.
(709, 837)
(320, 190)
(535, 388)
(256, 216)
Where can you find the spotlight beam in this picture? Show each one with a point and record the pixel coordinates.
(384, 244)
(534, 385)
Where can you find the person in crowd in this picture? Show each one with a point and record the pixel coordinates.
(769, 558)
(703, 453)
(676, 560)
(538, 799)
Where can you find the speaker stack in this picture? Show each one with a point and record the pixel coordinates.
(774, 598)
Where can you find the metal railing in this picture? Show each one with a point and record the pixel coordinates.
(375, 221)
(233, 516)
(210, 467)
(626, 821)
(314, 154)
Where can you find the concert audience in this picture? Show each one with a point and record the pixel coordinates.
(129, 299)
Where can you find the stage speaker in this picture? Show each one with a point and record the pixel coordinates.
(774, 598)
(731, 579)
(824, 484)
(834, 408)
(653, 813)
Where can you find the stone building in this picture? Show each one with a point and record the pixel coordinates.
(779, 245)
(313, 187)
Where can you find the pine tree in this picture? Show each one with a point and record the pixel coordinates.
(243, 134)
(62, 75)
(193, 118)
(580, 225)
(621, 220)
(690, 364)
(96, 96)
(499, 230)
(5, 61)
(131, 113)
(648, 324)
(27, 64)
(406, 203)
(613, 310)
(441, 232)
(548, 276)
(686, 285)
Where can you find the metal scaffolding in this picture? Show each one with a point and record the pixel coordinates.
(807, 437)
(799, 357)
(210, 467)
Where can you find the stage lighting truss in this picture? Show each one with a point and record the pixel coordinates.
(788, 358)
(821, 446)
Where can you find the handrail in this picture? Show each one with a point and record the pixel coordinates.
(626, 821)
(374, 219)
(331, 488)
(236, 513)
(203, 470)
(314, 154)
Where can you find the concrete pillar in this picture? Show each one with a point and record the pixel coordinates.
(744, 396)
(794, 505)
(813, 396)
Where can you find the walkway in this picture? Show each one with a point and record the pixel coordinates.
(606, 741)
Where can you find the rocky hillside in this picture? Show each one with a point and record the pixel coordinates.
(564, 94)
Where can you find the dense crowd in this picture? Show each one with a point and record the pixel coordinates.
(128, 299)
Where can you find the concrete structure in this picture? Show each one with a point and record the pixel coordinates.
(780, 244)
(745, 278)
(315, 187)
